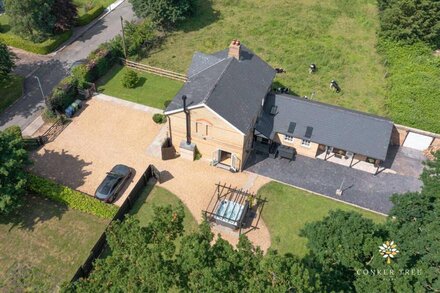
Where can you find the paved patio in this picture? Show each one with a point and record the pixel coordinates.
(360, 188)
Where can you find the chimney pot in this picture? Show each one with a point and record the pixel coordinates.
(234, 49)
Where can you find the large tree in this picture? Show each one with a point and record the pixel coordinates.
(65, 13)
(7, 61)
(139, 38)
(31, 19)
(149, 262)
(13, 158)
(411, 20)
(165, 13)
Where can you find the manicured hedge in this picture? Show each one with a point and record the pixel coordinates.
(63, 95)
(89, 16)
(72, 198)
(45, 47)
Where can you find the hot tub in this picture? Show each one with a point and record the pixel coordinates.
(230, 213)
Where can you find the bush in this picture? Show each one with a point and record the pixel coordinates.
(89, 16)
(79, 73)
(63, 95)
(45, 47)
(49, 116)
(72, 198)
(130, 78)
(159, 118)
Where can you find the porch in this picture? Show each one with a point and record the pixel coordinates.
(349, 159)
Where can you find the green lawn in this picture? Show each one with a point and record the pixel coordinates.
(339, 36)
(10, 91)
(47, 239)
(154, 195)
(288, 209)
(152, 90)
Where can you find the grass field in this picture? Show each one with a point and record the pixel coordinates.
(10, 91)
(47, 239)
(288, 209)
(339, 36)
(154, 195)
(152, 90)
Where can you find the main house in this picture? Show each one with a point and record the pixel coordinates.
(226, 109)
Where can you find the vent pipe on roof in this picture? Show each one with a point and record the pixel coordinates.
(185, 110)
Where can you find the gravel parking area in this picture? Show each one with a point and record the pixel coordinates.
(106, 133)
(102, 135)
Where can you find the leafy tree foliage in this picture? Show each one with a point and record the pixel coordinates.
(139, 38)
(149, 262)
(411, 20)
(13, 158)
(164, 13)
(7, 61)
(65, 13)
(31, 19)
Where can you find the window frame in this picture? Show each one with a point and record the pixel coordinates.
(289, 138)
(306, 143)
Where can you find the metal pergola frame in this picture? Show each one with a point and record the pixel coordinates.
(236, 197)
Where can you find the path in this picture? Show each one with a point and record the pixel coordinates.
(51, 69)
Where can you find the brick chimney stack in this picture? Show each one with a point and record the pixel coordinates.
(234, 49)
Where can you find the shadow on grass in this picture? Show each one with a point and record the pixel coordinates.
(203, 16)
(142, 198)
(142, 80)
(34, 210)
(277, 84)
(108, 76)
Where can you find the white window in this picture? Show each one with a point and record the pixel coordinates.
(288, 138)
(305, 143)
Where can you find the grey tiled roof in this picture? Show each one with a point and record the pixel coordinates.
(349, 130)
(233, 88)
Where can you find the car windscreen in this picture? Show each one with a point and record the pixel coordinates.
(107, 186)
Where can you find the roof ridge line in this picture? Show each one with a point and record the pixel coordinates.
(339, 108)
(218, 79)
(219, 60)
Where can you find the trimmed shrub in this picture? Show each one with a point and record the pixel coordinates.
(79, 73)
(63, 95)
(72, 198)
(130, 79)
(44, 48)
(159, 118)
(90, 15)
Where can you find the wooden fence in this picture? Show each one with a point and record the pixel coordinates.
(155, 70)
(85, 269)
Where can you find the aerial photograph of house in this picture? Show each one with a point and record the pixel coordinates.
(220, 145)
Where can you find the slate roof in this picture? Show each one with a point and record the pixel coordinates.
(349, 130)
(233, 88)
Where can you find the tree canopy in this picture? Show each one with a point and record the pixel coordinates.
(13, 158)
(411, 20)
(148, 260)
(36, 20)
(7, 61)
(164, 13)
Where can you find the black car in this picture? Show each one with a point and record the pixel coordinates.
(112, 184)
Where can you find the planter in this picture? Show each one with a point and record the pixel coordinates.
(168, 151)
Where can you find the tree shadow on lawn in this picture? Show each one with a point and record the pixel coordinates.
(34, 210)
(142, 80)
(108, 76)
(203, 16)
(61, 167)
